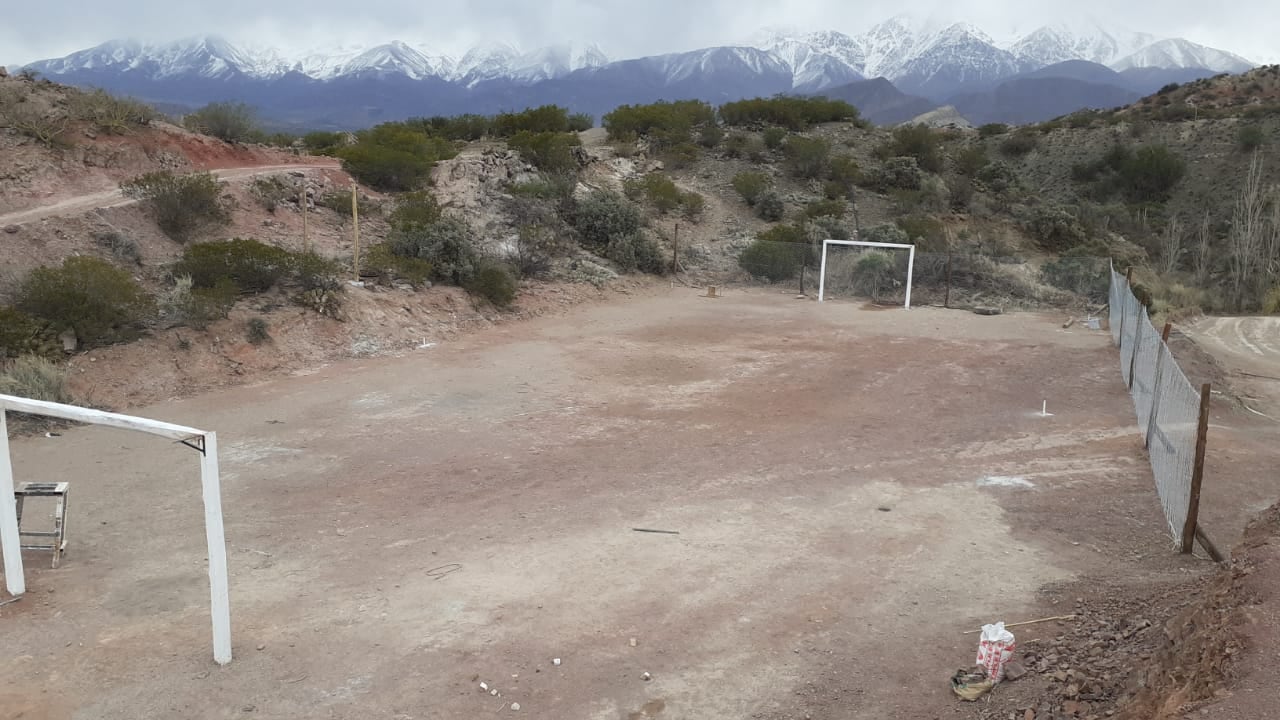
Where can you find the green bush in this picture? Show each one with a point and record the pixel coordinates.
(1085, 276)
(661, 192)
(22, 334)
(795, 113)
(1056, 229)
(1148, 174)
(751, 185)
(844, 170)
(46, 126)
(825, 208)
(634, 251)
(807, 158)
(971, 160)
(873, 272)
(774, 138)
(770, 206)
(681, 155)
(992, 129)
(36, 378)
(414, 210)
(548, 151)
(897, 173)
(926, 231)
(253, 266)
(1019, 143)
(886, 233)
(694, 205)
(663, 123)
(495, 283)
(772, 261)
(1271, 302)
(1251, 137)
(737, 145)
(603, 216)
(182, 205)
(382, 262)
(394, 156)
(228, 121)
(256, 331)
(185, 304)
(448, 244)
(339, 201)
(535, 121)
(831, 228)
(710, 135)
(581, 122)
(467, 127)
(917, 141)
(998, 177)
(110, 114)
(100, 302)
(322, 142)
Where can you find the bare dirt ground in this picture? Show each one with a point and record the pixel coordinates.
(852, 488)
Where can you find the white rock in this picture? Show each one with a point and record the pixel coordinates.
(633, 642)
(484, 686)
(494, 692)
(555, 661)
(646, 677)
(515, 706)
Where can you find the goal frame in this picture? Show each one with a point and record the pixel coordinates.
(822, 271)
(202, 441)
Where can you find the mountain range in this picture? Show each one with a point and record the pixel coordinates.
(926, 63)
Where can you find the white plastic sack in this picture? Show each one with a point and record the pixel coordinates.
(995, 649)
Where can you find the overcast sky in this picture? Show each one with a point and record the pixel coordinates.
(623, 28)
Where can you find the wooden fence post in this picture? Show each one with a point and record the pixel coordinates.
(1155, 388)
(1197, 470)
(1133, 356)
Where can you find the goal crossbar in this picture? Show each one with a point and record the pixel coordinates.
(911, 262)
(203, 441)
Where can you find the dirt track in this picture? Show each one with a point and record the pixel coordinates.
(399, 530)
(115, 198)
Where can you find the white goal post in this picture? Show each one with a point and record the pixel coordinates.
(203, 442)
(911, 262)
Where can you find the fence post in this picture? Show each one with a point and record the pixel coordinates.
(1197, 471)
(1155, 387)
(1133, 356)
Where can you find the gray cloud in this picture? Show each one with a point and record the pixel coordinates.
(624, 29)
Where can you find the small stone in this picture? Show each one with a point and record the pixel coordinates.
(262, 646)
(884, 508)
(555, 661)
(633, 642)
(1014, 671)
(515, 706)
(646, 677)
(12, 229)
(484, 686)
(1029, 714)
(494, 692)
(248, 708)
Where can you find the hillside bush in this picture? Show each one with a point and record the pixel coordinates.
(182, 205)
(581, 122)
(23, 334)
(710, 136)
(495, 283)
(634, 251)
(1148, 174)
(1271, 302)
(751, 185)
(926, 232)
(186, 304)
(550, 152)
(886, 233)
(794, 113)
(1056, 229)
(1251, 137)
(36, 378)
(414, 209)
(971, 160)
(544, 119)
(736, 145)
(825, 208)
(394, 156)
(380, 261)
(772, 261)
(873, 273)
(770, 206)
(448, 244)
(900, 173)
(253, 267)
(467, 127)
(47, 127)
(774, 138)
(110, 114)
(602, 216)
(997, 177)
(270, 191)
(321, 142)
(844, 170)
(100, 302)
(121, 247)
(916, 141)
(1083, 275)
(1020, 143)
(992, 130)
(228, 121)
(657, 189)
(339, 201)
(693, 204)
(807, 158)
(663, 123)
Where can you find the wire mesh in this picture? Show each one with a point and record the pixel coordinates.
(1166, 404)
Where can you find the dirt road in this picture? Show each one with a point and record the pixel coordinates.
(115, 198)
(851, 488)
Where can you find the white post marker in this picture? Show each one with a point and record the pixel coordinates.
(206, 443)
(911, 262)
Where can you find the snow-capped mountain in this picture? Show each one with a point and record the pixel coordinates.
(933, 57)
(1179, 53)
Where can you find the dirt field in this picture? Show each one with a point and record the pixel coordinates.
(852, 490)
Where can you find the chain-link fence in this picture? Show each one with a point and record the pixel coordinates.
(1170, 410)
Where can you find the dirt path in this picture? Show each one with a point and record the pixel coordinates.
(115, 198)
(852, 490)
(1248, 348)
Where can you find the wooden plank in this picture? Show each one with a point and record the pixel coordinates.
(1197, 470)
(219, 597)
(15, 580)
(1208, 545)
(99, 417)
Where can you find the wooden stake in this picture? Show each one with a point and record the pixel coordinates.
(1208, 545)
(302, 203)
(1133, 356)
(1197, 471)
(1028, 622)
(355, 220)
(675, 251)
(946, 302)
